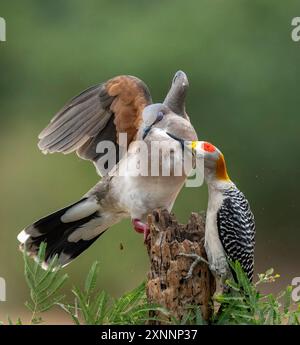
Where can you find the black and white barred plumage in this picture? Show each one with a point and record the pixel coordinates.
(236, 229)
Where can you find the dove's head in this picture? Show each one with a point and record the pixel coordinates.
(175, 99)
(180, 81)
(153, 114)
(214, 162)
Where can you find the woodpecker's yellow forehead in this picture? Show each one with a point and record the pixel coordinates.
(194, 144)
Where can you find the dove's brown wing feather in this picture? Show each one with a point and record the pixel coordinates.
(98, 113)
(131, 97)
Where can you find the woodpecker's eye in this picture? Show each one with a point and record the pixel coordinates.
(208, 147)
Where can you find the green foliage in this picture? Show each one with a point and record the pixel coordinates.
(193, 316)
(92, 307)
(10, 322)
(244, 304)
(44, 284)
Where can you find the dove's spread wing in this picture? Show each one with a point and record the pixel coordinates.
(98, 113)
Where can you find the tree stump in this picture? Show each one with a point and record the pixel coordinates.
(166, 285)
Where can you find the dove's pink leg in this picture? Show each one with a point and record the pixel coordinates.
(141, 228)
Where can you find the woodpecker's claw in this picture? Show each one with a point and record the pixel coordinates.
(197, 259)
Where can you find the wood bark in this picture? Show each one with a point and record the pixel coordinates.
(166, 283)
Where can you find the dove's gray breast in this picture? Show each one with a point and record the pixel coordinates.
(141, 194)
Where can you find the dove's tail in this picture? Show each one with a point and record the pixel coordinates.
(67, 232)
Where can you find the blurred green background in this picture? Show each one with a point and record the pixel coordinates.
(244, 73)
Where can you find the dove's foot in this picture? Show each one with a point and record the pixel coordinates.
(141, 228)
(197, 259)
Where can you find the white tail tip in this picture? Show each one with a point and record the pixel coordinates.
(23, 237)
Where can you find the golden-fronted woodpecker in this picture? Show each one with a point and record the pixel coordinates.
(230, 226)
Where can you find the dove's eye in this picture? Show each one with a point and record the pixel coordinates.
(160, 115)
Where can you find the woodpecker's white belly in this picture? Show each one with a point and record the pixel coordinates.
(214, 249)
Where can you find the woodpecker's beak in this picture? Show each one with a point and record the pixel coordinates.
(194, 148)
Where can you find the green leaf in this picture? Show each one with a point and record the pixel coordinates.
(91, 280)
(83, 304)
(44, 285)
(233, 285)
(69, 309)
(99, 308)
(53, 287)
(269, 272)
(199, 318)
(46, 306)
(52, 271)
(39, 259)
(287, 299)
(29, 306)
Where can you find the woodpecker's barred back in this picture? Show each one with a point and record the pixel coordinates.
(236, 228)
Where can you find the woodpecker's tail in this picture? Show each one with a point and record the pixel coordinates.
(67, 232)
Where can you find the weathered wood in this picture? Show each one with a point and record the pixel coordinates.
(166, 284)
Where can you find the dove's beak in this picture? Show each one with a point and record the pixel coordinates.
(180, 78)
(180, 140)
(147, 129)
